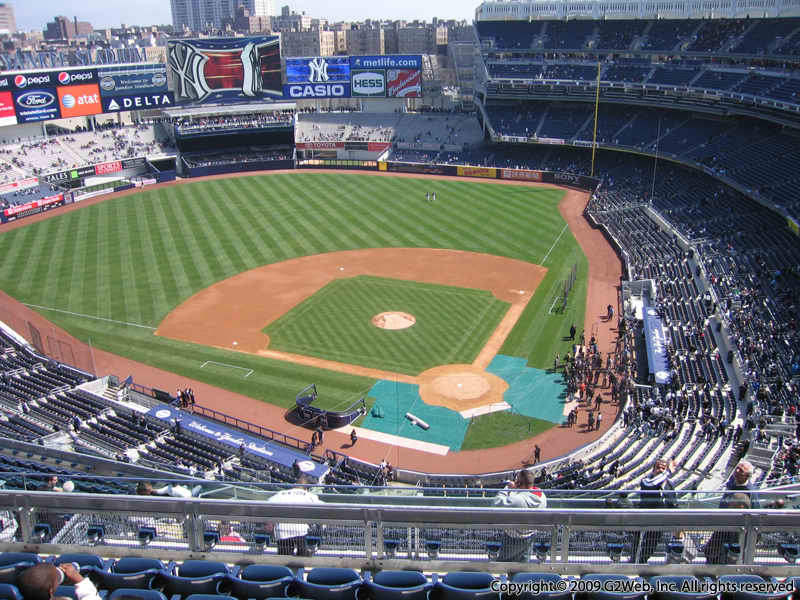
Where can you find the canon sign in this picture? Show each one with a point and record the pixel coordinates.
(369, 83)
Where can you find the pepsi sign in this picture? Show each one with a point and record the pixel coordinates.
(76, 77)
(36, 104)
(24, 81)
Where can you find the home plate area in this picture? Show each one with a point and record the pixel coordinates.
(447, 397)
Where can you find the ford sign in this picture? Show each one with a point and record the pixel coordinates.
(36, 99)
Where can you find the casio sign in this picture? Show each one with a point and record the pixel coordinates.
(36, 99)
(321, 90)
(368, 83)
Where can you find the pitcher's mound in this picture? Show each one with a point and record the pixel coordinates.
(460, 387)
(393, 320)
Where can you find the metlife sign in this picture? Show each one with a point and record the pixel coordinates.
(387, 61)
(138, 102)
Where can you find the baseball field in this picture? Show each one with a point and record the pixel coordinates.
(112, 274)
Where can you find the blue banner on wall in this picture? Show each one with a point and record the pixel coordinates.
(234, 439)
(125, 80)
(145, 101)
(656, 341)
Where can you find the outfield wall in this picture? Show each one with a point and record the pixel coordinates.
(44, 336)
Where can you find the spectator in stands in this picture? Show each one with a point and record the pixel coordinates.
(521, 493)
(40, 582)
(715, 549)
(740, 482)
(292, 536)
(51, 485)
(657, 491)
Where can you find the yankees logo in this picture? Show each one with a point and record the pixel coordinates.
(318, 70)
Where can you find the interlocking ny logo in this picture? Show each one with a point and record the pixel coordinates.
(187, 65)
(318, 68)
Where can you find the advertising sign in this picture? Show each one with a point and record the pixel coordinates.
(107, 168)
(79, 100)
(521, 174)
(225, 69)
(40, 79)
(7, 114)
(132, 80)
(318, 69)
(404, 83)
(489, 172)
(22, 184)
(36, 104)
(369, 83)
(319, 90)
(317, 77)
(137, 102)
(387, 61)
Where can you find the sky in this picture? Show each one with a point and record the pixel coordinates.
(33, 14)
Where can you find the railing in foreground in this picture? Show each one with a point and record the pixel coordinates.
(432, 538)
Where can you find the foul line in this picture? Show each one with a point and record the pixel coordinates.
(563, 229)
(221, 364)
(74, 314)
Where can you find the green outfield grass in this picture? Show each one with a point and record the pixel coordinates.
(484, 431)
(133, 259)
(452, 324)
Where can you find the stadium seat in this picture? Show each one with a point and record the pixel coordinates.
(66, 591)
(193, 577)
(131, 594)
(330, 583)
(129, 573)
(465, 585)
(549, 578)
(13, 563)
(84, 561)
(258, 582)
(741, 594)
(398, 585)
(9, 592)
(603, 593)
(676, 580)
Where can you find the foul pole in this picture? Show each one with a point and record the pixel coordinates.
(596, 110)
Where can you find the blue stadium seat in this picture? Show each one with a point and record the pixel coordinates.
(9, 592)
(130, 572)
(258, 582)
(84, 561)
(193, 577)
(740, 594)
(551, 579)
(678, 581)
(13, 563)
(66, 591)
(135, 564)
(398, 585)
(330, 583)
(465, 585)
(603, 594)
(131, 594)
